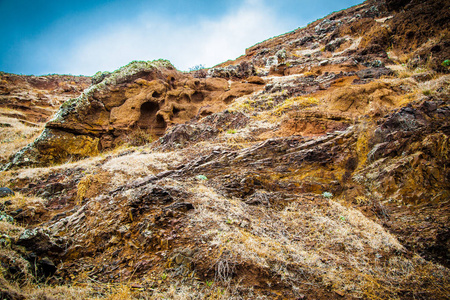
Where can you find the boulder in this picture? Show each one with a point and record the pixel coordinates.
(241, 70)
(256, 80)
(5, 192)
(40, 241)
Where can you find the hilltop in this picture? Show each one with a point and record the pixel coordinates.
(315, 166)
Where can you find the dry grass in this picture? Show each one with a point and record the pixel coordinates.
(19, 201)
(14, 134)
(139, 137)
(140, 164)
(439, 86)
(311, 240)
(12, 230)
(250, 104)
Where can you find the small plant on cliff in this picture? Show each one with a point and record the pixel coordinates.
(198, 71)
(446, 63)
(327, 195)
(99, 76)
(201, 177)
(197, 68)
(426, 92)
(6, 218)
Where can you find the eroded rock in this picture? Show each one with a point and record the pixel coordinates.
(145, 97)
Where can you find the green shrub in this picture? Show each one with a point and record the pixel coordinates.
(201, 177)
(327, 195)
(426, 92)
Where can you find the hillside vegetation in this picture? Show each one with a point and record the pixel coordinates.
(315, 166)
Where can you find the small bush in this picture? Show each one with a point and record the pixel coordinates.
(201, 177)
(426, 92)
(446, 63)
(6, 218)
(327, 195)
(197, 68)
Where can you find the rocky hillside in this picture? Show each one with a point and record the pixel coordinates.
(316, 166)
(28, 102)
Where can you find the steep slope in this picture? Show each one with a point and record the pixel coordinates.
(371, 34)
(27, 102)
(314, 167)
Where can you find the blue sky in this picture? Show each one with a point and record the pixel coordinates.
(83, 37)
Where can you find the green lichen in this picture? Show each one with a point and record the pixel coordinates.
(100, 76)
(133, 68)
(28, 234)
(6, 218)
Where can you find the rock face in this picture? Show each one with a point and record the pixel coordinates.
(37, 98)
(408, 166)
(316, 166)
(27, 103)
(142, 96)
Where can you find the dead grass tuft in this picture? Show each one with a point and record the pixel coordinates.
(19, 201)
(15, 134)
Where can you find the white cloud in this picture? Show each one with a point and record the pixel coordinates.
(185, 44)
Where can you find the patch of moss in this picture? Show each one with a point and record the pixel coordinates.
(135, 67)
(295, 103)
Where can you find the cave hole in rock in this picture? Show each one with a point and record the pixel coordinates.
(185, 98)
(156, 94)
(175, 111)
(149, 120)
(197, 97)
